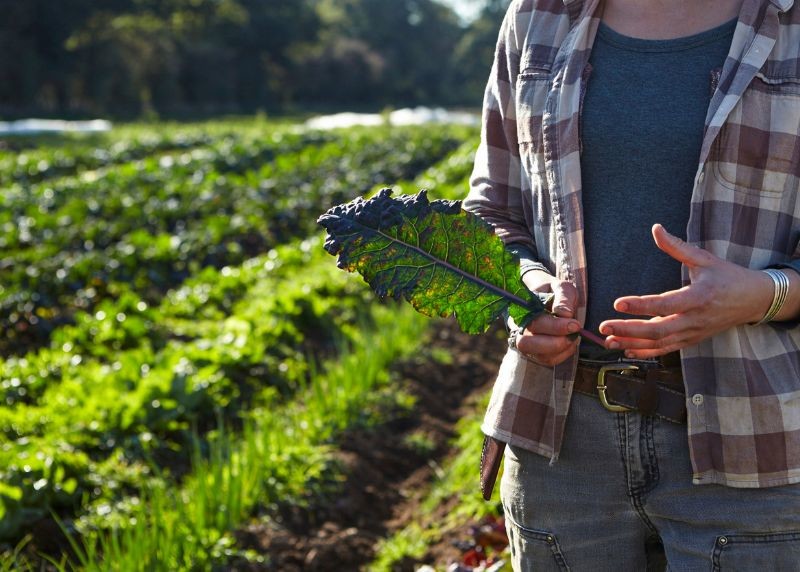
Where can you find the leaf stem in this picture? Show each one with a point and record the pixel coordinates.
(469, 276)
(592, 337)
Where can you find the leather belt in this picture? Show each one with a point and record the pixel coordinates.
(649, 388)
(652, 388)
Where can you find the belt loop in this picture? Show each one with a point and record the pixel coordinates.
(672, 359)
(648, 398)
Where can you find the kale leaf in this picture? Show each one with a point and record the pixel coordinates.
(440, 258)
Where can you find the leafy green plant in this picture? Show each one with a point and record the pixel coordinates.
(440, 258)
(68, 243)
(437, 256)
(91, 396)
(120, 373)
(279, 456)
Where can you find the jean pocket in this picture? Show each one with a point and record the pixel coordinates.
(534, 549)
(774, 551)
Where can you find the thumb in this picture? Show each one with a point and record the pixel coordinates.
(680, 250)
(565, 298)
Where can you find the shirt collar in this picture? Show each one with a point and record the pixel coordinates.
(783, 5)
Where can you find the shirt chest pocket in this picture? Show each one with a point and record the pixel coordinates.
(532, 87)
(758, 149)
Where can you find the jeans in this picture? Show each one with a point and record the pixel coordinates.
(620, 498)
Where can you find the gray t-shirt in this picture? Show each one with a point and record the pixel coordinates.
(641, 128)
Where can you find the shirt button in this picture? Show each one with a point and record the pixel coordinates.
(697, 399)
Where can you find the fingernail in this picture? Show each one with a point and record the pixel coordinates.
(573, 327)
(606, 330)
(614, 345)
(622, 306)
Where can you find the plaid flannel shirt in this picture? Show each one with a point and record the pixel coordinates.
(743, 385)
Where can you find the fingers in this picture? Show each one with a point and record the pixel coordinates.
(565, 300)
(635, 344)
(538, 280)
(642, 339)
(546, 350)
(680, 250)
(558, 358)
(549, 325)
(543, 346)
(657, 328)
(666, 304)
(648, 354)
(565, 295)
(546, 339)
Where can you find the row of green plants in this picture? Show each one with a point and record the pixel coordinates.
(282, 455)
(135, 415)
(35, 165)
(86, 409)
(125, 322)
(153, 223)
(280, 452)
(28, 160)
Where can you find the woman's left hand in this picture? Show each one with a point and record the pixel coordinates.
(721, 295)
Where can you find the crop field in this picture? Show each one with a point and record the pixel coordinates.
(189, 382)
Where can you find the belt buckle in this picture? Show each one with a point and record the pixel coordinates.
(601, 385)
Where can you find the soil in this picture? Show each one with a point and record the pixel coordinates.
(385, 475)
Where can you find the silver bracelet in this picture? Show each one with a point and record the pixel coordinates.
(781, 282)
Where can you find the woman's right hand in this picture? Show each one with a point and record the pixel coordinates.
(545, 339)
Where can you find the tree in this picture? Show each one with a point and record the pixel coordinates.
(38, 74)
(133, 57)
(473, 56)
(403, 47)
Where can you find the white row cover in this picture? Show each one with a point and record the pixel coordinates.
(416, 116)
(41, 126)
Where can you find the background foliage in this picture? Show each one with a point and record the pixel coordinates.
(204, 57)
(179, 356)
(177, 351)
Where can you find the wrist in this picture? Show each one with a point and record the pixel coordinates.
(538, 280)
(764, 293)
(791, 307)
(769, 292)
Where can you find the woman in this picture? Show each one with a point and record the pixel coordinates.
(604, 122)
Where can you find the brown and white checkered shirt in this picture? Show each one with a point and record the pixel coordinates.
(743, 385)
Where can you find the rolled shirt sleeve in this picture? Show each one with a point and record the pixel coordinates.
(495, 185)
(527, 258)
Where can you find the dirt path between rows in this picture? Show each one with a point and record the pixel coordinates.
(385, 474)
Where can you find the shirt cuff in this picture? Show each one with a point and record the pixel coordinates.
(793, 264)
(527, 258)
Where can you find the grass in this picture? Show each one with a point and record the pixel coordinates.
(420, 442)
(261, 456)
(458, 478)
(410, 542)
(274, 458)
